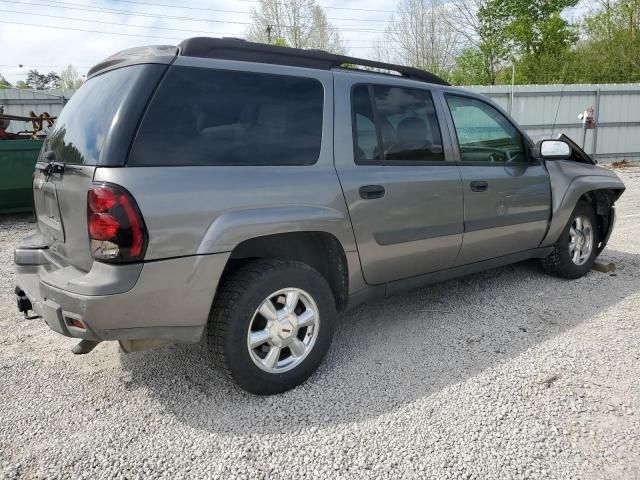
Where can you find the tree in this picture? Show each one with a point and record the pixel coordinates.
(533, 36)
(323, 35)
(4, 83)
(419, 34)
(40, 81)
(297, 23)
(609, 50)
(69, 78)
(531, 28)
(22, 85)
(486, 51)
(602, 47)
(471, 69)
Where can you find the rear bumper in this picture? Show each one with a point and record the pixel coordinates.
(168, 299)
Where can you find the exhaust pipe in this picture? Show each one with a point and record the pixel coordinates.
(85, 346)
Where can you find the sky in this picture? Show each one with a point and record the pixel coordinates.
(48, 35)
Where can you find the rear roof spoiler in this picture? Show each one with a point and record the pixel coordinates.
(164, 54)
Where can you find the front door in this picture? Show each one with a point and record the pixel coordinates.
(507, 194)
(404, 199)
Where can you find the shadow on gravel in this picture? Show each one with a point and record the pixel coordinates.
(391, 352)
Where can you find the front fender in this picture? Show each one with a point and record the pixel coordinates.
(569, 182)
(232, 228)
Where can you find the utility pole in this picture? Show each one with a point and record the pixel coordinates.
(269, 27)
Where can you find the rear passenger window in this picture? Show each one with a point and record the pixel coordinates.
(395, 124)
(218, 117)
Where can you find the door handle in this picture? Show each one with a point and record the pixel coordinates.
(369, 192)
(479, 186)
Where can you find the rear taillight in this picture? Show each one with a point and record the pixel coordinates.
(116, 230)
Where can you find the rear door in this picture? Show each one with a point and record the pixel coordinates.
(95, 128)
(507, 194)
(404, 198)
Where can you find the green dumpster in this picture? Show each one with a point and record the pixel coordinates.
(17, 163)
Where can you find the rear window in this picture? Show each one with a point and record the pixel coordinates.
(218, 117)
(80, 132)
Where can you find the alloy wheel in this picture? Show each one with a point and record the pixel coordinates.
(283, 330)
(580, 240)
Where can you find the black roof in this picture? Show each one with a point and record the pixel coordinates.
(238, 49)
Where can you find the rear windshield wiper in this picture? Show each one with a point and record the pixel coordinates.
(52, 166)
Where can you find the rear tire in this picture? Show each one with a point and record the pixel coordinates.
(575, 251)
(271, 325)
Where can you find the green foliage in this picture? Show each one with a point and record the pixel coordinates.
(530, 27)
(610, 51)
(545, 48)
(41, 81)
(493, 46)
(22, 85)
(470, 69)
(4, 83)
(281, 42)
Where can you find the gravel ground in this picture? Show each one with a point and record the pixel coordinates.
(504, 374)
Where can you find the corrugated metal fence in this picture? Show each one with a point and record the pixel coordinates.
(542, 110)
(21, 102)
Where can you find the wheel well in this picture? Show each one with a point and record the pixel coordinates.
(602, 202)
(319, 250)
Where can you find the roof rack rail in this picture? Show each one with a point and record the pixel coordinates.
(238, 49)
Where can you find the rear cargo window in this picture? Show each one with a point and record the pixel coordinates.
(81, 129)
(218, 117)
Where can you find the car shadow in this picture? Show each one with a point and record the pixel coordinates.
(391, 352)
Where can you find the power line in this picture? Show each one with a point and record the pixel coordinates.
(30, 65)
(105, 33)
(326, 7)
(120, 23)
(117, 23)
(128, 25)
(91, 31)
(75, 6)
(91, 8)
(186, 7)
(245, 12)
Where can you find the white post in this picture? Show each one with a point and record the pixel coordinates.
(513, 82)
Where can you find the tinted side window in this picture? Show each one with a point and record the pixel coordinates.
(484, 134)
(217, 117)
(406, 123)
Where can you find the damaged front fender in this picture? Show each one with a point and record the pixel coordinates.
(572, 181)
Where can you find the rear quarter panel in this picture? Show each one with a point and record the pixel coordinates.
(202, 210)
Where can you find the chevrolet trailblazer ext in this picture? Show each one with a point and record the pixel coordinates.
(257, 190)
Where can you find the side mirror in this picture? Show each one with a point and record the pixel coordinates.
(553, 150)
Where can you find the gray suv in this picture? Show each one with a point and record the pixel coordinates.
(247, 193)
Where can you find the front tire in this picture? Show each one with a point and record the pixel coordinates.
(271, 325)
(576, 250)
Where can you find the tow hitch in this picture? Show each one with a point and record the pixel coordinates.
(24, 304)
